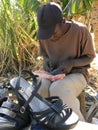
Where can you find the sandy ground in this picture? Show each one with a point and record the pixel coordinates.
(95, 62)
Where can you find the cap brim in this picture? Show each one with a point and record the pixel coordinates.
(45, 33)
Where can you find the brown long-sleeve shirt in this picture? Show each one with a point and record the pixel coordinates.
(74, 50)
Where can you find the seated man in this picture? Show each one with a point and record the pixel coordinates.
(67, 50)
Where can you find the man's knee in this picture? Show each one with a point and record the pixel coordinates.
(57, 89)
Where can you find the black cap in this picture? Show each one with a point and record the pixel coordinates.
(48, 16)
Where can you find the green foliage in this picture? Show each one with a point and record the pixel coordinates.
(73, 7)
(18, 29)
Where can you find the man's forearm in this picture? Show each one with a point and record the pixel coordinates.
(72, 63)
(80, 62)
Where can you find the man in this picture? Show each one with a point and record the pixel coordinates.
(67, 50)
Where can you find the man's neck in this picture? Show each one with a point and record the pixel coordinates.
(66, 26)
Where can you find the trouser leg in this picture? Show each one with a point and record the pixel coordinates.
(68, 89)
(44, 88)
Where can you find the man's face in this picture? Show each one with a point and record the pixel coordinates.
(57, 33)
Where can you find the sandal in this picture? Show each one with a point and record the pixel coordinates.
(50, 112)
(37, 126)
(3, 95)
(58, 116)
(3, 99)
(11, 118)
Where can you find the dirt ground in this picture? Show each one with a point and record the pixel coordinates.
(94, 73)
(92, 91)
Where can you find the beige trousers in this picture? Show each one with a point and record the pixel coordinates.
(67, 89)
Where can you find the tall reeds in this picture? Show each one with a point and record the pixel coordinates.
(18, 45)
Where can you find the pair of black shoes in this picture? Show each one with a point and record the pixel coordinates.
(49, 113)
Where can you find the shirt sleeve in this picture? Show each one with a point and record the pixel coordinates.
(87, 51)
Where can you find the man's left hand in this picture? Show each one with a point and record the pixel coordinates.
(47, 75)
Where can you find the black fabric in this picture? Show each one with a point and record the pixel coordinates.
(2, 99)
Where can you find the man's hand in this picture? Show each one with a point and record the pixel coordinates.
(66, 66)
(47, 75)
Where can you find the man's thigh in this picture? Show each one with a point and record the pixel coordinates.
(73, 82)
